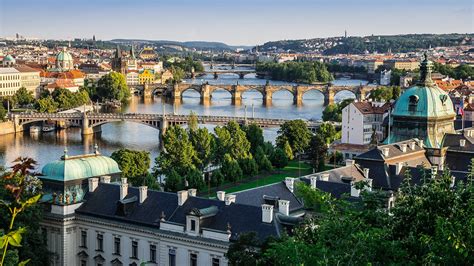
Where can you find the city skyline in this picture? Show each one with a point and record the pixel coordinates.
(225, 22)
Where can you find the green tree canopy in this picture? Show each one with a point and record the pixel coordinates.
(255, 136)
(113, 87)
(317, 152)
(231, 169)
(133, 164)
(297, 134)
(23, 97)
(204, 144)
(279, 159)
(46, 105)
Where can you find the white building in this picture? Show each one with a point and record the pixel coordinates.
(10, 81)
(361, 119)
(99, 220)
(30, 79)
(385, 77)
(132, 78)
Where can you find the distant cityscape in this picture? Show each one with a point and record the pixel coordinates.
(290, 152)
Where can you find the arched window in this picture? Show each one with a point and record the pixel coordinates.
(413, 103)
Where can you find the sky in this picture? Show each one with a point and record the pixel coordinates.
(237, 22)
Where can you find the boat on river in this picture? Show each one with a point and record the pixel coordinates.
(35, 129)
(48, 128)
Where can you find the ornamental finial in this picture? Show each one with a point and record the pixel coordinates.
(96, 149)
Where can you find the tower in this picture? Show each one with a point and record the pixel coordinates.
(423, 111)
(345, 33)
(132, 60)
(118, 64)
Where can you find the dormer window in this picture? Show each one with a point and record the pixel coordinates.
(413, 103)
(193, 225)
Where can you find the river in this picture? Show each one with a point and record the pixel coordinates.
(47, 147)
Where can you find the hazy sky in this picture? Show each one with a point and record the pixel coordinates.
(240, 22)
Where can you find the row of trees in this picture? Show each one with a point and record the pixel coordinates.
(179, 68)
(333, 112)
(385, 93)
(236, 151)
(463, 71)
(430, 224)
(306, 72)
(110, 87)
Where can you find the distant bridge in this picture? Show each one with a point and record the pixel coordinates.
(241, 73)
(91, 122)
(205, 90)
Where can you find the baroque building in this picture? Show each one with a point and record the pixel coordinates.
(423, 111)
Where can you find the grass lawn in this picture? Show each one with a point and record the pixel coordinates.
(292, 170)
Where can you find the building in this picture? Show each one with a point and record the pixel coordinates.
(148, 53)
(132, 60)
(165, 76)
(8, 61)
(361, 119)
(155, 66)
(132, 78)
(372, 65)
(92, 217)
(119, 64)
(402, 64)
(10, 81)
(423, 111)
(30, 79)
(385, 77)
(146, 76)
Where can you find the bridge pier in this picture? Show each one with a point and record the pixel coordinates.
(17, 126)
(267, 97)
(216, 76)
(147, 92)
(241, 75)
(205, 94)
(298, 96)
(329, 97)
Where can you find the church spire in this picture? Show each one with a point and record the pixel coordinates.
(118, 53)
(132, 52)
(425, 72)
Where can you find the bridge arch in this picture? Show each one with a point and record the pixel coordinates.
(154, 124)
(345, 94)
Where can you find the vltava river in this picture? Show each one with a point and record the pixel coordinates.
(47, 147)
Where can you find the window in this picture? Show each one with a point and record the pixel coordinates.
(84, 239)
(193, 225)
(172, 257)
(117, 245)
(83, 263)
(100, 242)
(413, 102)
(152, 253)
(193, 258)
(215, 262)
(134, 249)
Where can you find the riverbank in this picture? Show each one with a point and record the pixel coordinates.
(7, 127)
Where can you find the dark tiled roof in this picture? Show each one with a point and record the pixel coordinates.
(394, 151)
(242, 218)
(254, 197)
(103, 203)
(333, 188)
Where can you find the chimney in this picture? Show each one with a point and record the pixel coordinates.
(412, 145)
(142, 193)
(349, 162)
(229, 199)
(420, 143)
(403, 147)
(290, 182)
(192, 192)
(182, 197)
(324, 177)
(284, 207)
(369, 184)
(354, 191)
(366, 172)
(453, 181)
(105, 179)
(267, 213)
(434, 171)
(123, 189)
(398, 168)
(462, 142)
(124, 180)
(313, 180)
(385, 151)
(93, 184)
(221, 195)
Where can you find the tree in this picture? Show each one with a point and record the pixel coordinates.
(3, 113)
(296, 133)
(46, 105)
(217, 178)
(262, 160)
(231, 169)
(279, 159)
(245, 251)
(19, 194)
(232, 140)
(317, 152)
(24, 97)
(203, 142)
(249, 166)
(328, 132)
(193, 121)
(178, 74)
(178, 153)
(195, 179)
(255, 136)
(134, 165)
(173, 182)
(288, 151)
(113, 87)
(333, 112)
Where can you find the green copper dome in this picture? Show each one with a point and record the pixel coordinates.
(9, 58)
(79, 167)
(422, 101)
(63, 56)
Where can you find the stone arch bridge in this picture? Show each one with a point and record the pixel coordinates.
(90, 123)
(206, 90)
